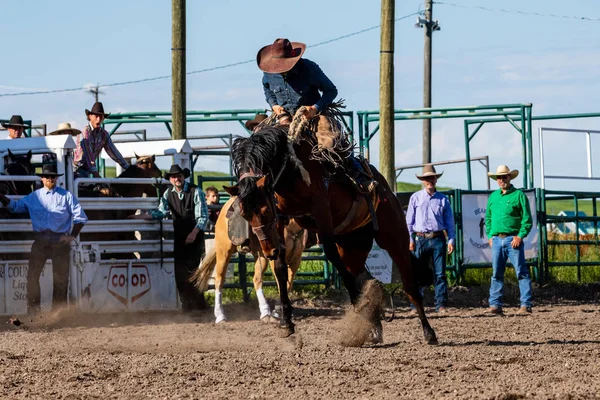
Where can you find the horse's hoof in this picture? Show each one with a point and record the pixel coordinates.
(432, 340)
(376, 336)
(220, 319)
(286, 331)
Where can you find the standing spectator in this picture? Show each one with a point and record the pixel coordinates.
(186, 204)
(90, 143)
(52, 210)
(507, 222)
(428, 215)
(15, 126)
(212, 199)
(64, 128)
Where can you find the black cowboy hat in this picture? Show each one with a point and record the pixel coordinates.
(279, 57)
(252, 123)
(176, 169)
(97, 109)
(15, 121)
(49, 170)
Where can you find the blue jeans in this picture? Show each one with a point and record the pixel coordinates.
(501, 251)
(436, 249)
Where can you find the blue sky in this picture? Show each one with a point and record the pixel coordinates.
(480, 57)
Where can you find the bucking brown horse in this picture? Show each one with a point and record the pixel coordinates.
(278, 178)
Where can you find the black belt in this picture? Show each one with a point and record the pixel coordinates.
(505, 235)
(430, 235)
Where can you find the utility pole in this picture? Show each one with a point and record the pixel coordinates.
(95, 90)
(386, 93)
(178, 70)
(430, 27)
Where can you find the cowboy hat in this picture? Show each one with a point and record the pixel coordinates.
(176, 169)
(504, 170)
(279, 57)
(428, 170)
(97, 109)
(49, 170)
(252, 123)
(15, 121)
(64, 128)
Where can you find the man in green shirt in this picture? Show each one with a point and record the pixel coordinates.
(507, 222)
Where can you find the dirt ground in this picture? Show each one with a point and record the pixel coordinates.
(552, 353)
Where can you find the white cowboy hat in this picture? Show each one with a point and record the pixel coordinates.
(429, 170)
(504, 170)
(64, 128)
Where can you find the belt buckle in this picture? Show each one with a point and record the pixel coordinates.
(428, 235)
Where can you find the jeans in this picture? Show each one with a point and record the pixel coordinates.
(436, 249)
(501, 251)
(45, 247)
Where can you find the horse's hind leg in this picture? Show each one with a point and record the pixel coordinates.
(260, 266)
(392, 236)
(224, 250)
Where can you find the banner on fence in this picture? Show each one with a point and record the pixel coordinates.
(476, 248)
(379, 264)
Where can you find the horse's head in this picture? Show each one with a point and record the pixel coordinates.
(257, 202)
(136, 171)
(18, 165)
(146, 162)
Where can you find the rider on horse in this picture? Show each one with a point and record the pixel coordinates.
(291, 82)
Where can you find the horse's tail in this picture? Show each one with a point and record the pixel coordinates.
(204, 272)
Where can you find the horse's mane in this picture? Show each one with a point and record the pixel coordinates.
(257, 154)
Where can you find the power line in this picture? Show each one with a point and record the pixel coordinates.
(537, 14)
(156, 78)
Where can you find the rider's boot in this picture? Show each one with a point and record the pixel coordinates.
(357, 172)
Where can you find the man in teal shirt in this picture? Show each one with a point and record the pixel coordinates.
(507, 222)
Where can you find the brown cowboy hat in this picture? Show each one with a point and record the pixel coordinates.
(97, 109)
(428, 170)
(49, 170)
(176, 169)
(279, 57)
(503, 170)
(16, 121)
(252, 123)
(64, 128)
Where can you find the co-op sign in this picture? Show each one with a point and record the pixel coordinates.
(138, 284)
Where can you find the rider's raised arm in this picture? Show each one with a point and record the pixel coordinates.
(113, 152)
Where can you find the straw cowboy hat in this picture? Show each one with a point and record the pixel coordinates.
(428, 170)
(252, 123)
(279, 57)
(97, 109)
(504, 170)
(176, 169)
(65, 128)
(49, 170)
(16, 121)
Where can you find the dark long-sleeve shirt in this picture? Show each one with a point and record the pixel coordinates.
(301, 86)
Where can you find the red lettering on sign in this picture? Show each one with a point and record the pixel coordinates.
(139, 284)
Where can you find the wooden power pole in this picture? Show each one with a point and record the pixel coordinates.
(386, 93)
(178, 69)
(430, 26)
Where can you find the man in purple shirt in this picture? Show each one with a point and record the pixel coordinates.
(90, 143)
(429, 214)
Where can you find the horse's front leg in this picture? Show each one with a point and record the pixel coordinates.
(281, 274)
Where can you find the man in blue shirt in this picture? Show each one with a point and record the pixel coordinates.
(429, 214)
(289, 82)
(186, 204)
(52, 210)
